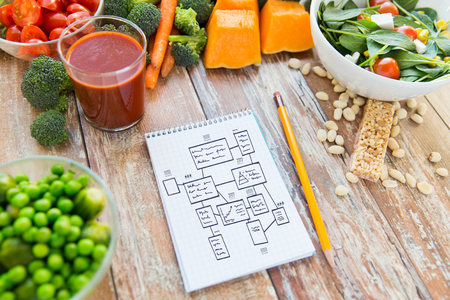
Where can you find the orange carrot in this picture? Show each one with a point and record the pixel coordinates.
(161, 41)
(151, 43)
(169, 60)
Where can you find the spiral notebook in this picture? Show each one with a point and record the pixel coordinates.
(227, 207)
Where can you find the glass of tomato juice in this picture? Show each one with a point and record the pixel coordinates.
(105, 57)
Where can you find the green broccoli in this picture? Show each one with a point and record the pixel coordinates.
(116, 8)
(146, 16)
(187, 48)
(132, 3)
(49, 128)
(203, 8)
(45, 84)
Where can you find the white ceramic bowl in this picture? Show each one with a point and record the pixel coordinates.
(21, 50)
(366, 83)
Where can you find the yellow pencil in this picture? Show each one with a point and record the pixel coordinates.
(315, 213)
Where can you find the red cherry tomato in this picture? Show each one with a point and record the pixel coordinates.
(408, 30)
(30, 32)
(388, 7)
(53, 5)
(92, 5)
(377, 2)
(56, 33)
(76, 16)
(13, 33)
(387, 67)
(75, 7)
(6, 16)
(53, 20)
(363, 17)
(26, 12)
(65, 4)
(29, 52)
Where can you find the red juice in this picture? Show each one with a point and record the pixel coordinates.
(109, 83)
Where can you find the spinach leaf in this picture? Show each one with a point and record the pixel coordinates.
(407, 4)
(353, 43)
(334, 25)
(425, 20)
(432, 49)
(374, 47)
(402, 20)
(371, 26)
(444, 44)
(430, 12)
(409, 78)
(433, 71)
(406, 59)
(392, 38)
(334, 14)
(350, 4)
(412, 72)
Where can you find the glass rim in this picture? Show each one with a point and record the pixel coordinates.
(90, 19)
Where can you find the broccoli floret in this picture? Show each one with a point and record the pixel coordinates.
(146, 16)
(116, 8)
(185, 21)
(45, 84)
(49, 128)
(203, 8)
(132, 3)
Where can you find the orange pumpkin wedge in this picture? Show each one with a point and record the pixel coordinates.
(237, 4)
(233, 40)
(285, 26)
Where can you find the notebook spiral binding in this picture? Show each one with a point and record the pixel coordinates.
(166, 131)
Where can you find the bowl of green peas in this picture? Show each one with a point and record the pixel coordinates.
(58, 229)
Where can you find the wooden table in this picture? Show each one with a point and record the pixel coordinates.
(389, 244)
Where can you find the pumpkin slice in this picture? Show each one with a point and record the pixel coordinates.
(285, 26)
(237, 4)
(233, 40)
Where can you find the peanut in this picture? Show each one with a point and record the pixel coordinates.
(435, 157)
(410, 180)
(337, 114)
(334, 81)
(339, 104)
(331, 125)
(395, 120)
(422, 109)
(348, 114)
(319, 71)
(359, 101)
(306, 68)
(344, 97)
(322, 96)
(331, 136)
(384, 173)
(442, 172)
(398, 153)
(321, 135)
(355, 109)
(351, 93)
(395, 130)
(392, 144)
(388, 183)
(401, 113)
(341, 190)
(424, 187)
(397, 175)
(411, 103)
(396, 105)
(339, 88)
(329, 76)
(351, 177)
(339, 140)
(417, 118)
(294, 63)
(336, 149)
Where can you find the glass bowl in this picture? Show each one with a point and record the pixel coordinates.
(366, 83)
(26, 51)
(38, 166)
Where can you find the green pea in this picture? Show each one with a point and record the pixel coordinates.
(57, 169)
(53, 214)
(58, 281)
(11, 192)
(76, 220)
(20, 200)
(33, 191)
(74, 234)
(88, 273)
(52, 177)
(42, 275)
(80, 264)
(30, 235)
(12, 211)
(65, 205)
(45, 291)
(43, 235)
(95, 265)
(44, 179)
(57, 188)
(43, 188)
(62, 226)
(5, 283)
(27, 211)
(63, 294)
(70, 251)
(79, 282)
(26, 290)
(66, 177)
(72, 187)
(42, 205)
(23, 185)
(8, 231)
(66, 270)
(21, 225)
(55, 262)
(99, 252)
(40, 219)
(56, 240)
(40, 250)
(56, 251)
(21, 177)
(5, 219)
(85, 247)
(83, 179)
(17, 274)
(35, 265)
(1, 237)
(8, 296)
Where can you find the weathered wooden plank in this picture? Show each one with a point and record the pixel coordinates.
(145, 265)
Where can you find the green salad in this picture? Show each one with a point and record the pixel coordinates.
(393, 39)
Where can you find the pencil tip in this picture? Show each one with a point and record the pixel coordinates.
(276, 94)
(277, 98)
(330, 256)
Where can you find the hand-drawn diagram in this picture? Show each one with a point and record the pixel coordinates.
(242, 199)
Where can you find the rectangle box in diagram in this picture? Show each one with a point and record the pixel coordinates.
(201, 189)
(248, 176)
(206, 216)
(211, 153)
(257, 232)
(244, 142)
(280, 216)
(219, 247)
(258, 204)
(233, 212)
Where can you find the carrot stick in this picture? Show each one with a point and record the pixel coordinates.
(169, 60)
(161, 41)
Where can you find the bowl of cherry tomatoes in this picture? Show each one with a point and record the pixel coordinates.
(398, 58)
(31, 28)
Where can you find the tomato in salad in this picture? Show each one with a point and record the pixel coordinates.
(377, 2)
(387, 67)
(26, 12)
(92, 5)
(408, 30)
(14, 33)
(388, 7)
(53, 20)
(30, 32)
(27, 52)
(76, 7)
(55, 33)
(6, 15)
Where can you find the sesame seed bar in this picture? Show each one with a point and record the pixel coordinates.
(371, 140)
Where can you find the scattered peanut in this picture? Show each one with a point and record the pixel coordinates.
(306, 68)
(294, 63)
(396, 105)
(392, 144)
(339, 104)
(388, 183)
(344, 97)
(348, 114)
(435, 157)
(339, 88)
(424, 188)
(331, 125)
(395, 130)
(331, 136)
(422, 109)
(384, 173)
(341, 190)
(321, 135)
(319, 71)
(399, 153)
(337, 115)
(359, 101)
(351, 177)
(339, 140)
(336, 149)
(322, 96)
(417, 118)
(351, 93)
(334, 81)
(397, 175)
(410, 180)
(329, 76)
(395, 120)
(411, 103)
(401, 113)
(355, 109)
(442, 172)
